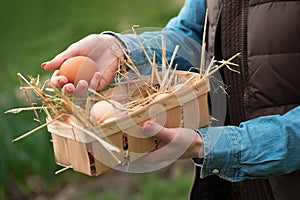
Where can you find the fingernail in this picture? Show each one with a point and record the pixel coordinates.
(150, 128)
(97, 75)
(43, 65)
(61, 82)
(146, 125)
(69, 89)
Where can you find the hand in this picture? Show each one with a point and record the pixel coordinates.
(104, 49)
(173, 143)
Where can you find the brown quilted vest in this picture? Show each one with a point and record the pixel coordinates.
(267, 34)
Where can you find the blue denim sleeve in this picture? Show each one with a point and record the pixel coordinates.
(184, 30)
(258, 148)
(190, 20)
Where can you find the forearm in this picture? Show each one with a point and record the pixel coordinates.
(188, 54)
(184, 30)
(257, 148)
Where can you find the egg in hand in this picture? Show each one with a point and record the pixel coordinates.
(78, 68)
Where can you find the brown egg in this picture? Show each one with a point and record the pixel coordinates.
(78, 68)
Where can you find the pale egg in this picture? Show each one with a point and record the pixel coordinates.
(104, 110)
(78, 68)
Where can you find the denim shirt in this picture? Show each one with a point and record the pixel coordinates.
(258, 148)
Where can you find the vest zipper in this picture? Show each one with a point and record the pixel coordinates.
(243, 58)
(244, 74)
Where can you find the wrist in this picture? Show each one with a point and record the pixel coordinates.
(199, 146)
(199, 152)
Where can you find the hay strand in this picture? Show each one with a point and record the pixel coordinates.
(203, 46)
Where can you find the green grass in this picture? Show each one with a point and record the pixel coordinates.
(147, 187)
(32, 32)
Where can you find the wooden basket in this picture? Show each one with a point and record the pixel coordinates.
(73, 148)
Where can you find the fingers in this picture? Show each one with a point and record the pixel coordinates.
(108, 74)
(56, 62)
(152, 128)
(93, 45)
(58, 80)
(102, 79)
(81, 88)
(68, 89)
(174, 142)
(94, 84)
(103, 49)
(78, 91)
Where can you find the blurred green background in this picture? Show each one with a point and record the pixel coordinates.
(34, 31)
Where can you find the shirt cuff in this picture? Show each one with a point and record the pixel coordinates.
(222, 153)
(198, 162)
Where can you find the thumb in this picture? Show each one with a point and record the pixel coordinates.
(152, 128)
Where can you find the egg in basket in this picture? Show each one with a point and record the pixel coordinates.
(102, 130)
(107, 133)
